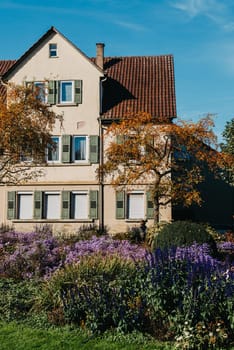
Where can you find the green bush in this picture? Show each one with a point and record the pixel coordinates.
(16, 299)
(99, 293)
(184, 233)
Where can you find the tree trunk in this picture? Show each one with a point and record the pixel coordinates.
(156, 210)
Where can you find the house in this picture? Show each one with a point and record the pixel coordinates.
(90, 93)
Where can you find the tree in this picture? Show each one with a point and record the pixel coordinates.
(228, 145)
(25, 127)
(170, 159)
(228, 135)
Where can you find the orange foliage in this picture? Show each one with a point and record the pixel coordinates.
(25, 127)
(171, 159)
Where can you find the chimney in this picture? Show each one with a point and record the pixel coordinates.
(100, 55)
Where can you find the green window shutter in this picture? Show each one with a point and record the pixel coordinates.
(78, 91)
(11, 205)
(52, 92)
(66, 148)
(120, 205)
(93, 204)
(150, 206)
(65, 210)
(119, 139)
(37, 205)
(57, 91)
(94, 149)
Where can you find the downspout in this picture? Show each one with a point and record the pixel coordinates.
(100, 180)
(101, 161)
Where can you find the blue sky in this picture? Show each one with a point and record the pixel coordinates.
(199, 33)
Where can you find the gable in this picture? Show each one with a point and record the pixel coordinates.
(39, 52)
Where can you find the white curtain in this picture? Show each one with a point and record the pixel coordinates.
(136, 205)
(25, 206)
(52, 206)
(81, 206)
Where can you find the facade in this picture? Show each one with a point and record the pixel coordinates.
(90, 93)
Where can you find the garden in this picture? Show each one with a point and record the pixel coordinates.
(174, 289)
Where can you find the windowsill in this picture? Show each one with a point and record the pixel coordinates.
(51, 220)
(69, 104)
(134, 220)
(54, 164)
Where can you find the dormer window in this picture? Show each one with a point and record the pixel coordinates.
(53, 50)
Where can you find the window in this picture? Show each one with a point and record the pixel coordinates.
(53, 151)
(66, 92)
(133, 151)
(26, 156)
(53, 50)
(80, 205)
(80, 148)
(52, 205)
(77, 149)
(135, 206)
(25, 205)
(65, 205)
(41, 90)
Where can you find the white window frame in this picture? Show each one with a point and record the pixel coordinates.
(29, 210)
(46, 196)
(86, 149)
(53, 50)
(135, 217)
(73, 205)
(44, 98)
(59, 151)
(61, 83)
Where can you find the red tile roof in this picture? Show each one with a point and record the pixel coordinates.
(4, 66)
(141, 83)
(133, 84)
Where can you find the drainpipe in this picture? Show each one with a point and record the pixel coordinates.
(101, 161)
(100, 180)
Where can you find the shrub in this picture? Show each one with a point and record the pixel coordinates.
(184, 233)
(87, 231)
(98, 293)
(183, 292)
(16, 299)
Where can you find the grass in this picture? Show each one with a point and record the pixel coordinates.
(20, 337)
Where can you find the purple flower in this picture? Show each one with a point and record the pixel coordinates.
(226, 246)
(104, 245)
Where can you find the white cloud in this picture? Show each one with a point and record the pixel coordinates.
(130, 25)
(198, 7)
(214, 10)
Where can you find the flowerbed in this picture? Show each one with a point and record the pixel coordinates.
(181, 294)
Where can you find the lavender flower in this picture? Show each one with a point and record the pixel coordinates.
(104, 245)
(226, 246)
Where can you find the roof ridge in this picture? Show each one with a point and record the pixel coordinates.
(137, 56)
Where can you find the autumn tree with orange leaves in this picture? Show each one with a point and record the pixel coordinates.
(170, 159)
(25, 133)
